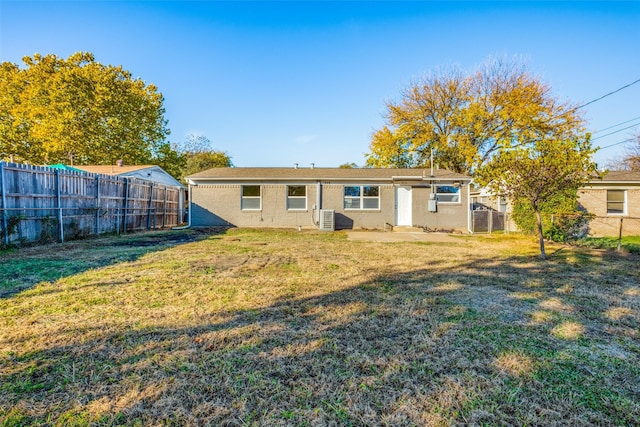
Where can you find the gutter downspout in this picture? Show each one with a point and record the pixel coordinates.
(469, 208)
(184, 227)
(319, 201)
(316, 218)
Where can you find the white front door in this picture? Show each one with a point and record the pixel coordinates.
(403, 206)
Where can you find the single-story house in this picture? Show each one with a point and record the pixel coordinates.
(147, 172)
(329, 198)
(614, 200)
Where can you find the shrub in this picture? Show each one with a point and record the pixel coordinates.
(562, 218)
(568, 227)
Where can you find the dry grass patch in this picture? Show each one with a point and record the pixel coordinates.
(514, 364)
(619, 313)
(271, 327)
(568, 330)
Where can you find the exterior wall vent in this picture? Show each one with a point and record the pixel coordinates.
(327, 219)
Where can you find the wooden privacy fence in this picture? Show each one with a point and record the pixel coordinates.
(45, 204)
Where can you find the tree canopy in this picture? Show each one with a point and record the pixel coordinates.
(197, 154)
(53, 110)
(499, 124)
(541, 172)
(466, 119)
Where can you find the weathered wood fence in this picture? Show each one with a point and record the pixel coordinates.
(45, 204)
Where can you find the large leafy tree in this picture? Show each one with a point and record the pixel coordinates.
(197, 154)
(539, 172)
(56, 109)
(501, 125)
(464, 120)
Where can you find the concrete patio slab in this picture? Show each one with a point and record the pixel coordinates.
(388, 236)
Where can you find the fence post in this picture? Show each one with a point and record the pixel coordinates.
(118, 220)
(59, 203)
(620, 235)
(164, 206)
(126, 204)
(150, 206)
(490, 220)
(4, 204)
(97, 205)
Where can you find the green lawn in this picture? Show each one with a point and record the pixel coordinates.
(629, 244)
(251, 327)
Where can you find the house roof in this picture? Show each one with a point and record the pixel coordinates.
(619, 176)
(62, 166)
(113, 169)
(282, 174)
(147, 172)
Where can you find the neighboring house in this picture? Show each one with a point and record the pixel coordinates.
(615, 201)
(147, 172)
(354, 198)
(481, 199)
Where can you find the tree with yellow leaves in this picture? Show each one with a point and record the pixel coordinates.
(499, 124)
(76, 109)
(466, 119)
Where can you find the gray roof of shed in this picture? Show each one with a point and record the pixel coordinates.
(283, 174)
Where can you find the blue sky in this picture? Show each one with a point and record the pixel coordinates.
(277, 83)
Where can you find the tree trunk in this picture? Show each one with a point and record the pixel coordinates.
(543, 255)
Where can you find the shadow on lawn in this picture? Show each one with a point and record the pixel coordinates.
(26, 267)
(414, 348)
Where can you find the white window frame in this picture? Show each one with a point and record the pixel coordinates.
(459, 194)
(243, 198)
(361, 198)
(624, 202)
(290, 198)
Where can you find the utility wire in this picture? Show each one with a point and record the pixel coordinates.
(616, 125)
(595, 100)
(617, 143)
(616, 131)
(608, 94)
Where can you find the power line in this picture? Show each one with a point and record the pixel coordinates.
(616, 125)
(608, 94)
(617, 143)
(616, 131)
(595, 100)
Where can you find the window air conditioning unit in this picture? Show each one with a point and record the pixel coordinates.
(327, 222)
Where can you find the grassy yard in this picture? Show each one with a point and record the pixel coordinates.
(262, 328)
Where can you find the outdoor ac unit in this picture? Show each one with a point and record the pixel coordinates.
(327, 222)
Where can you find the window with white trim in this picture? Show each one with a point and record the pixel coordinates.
(448, 194)
(362, 197)
(297, 197)
(251, 198)
(616, 202)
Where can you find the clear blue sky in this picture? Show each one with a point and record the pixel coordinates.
(275, 83)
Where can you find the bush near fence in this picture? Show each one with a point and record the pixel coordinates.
(41, 204)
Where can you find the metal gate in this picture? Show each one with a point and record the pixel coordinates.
(488, 221)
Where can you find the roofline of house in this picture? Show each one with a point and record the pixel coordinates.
(327, 179)
(612, 182)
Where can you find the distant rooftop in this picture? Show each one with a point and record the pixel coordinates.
(112, 169)
(620, 176)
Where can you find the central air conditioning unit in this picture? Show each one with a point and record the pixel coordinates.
(327, 219)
